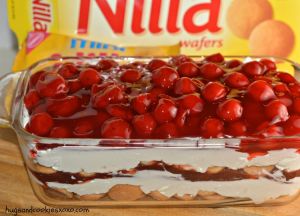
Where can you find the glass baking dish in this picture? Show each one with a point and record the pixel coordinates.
(171, 172)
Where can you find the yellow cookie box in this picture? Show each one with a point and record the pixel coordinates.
(193, 27)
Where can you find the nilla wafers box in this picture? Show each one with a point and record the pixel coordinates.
(169, 27)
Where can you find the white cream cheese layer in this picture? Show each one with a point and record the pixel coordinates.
(94, 159)
(169, 184)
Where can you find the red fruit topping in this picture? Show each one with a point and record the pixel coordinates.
(31, 99)
(292, 126)
(214, 91)
(67, 70)
(141, 103)
(34, 78)
(181, 117)
(165, 111)
(276, 111)
(178, 60)
(120, 111)
(272, 131)
(286, 77)
(131, 76)
(212, 128)
(74, 85)
(253, 68)
(188, 69)
(230, 110)
(63, 107)
(101, 117)
(216, 58)
(236, 80)
(236, 128)
(281, 89)
(233, 64)
(286, 100)
(166, 131)
(111, 95)
(83, 129)
(106, 64)
(294, 89)
(211, 71)
(60, 132)
(40, 124)
(191, 102)
(155, 92)
(165, 77)
(155, 64)
(184, 85)
(89, 77)
(296, 105)
(269, 64)
(116, 128)
(144, 124)
(99, 87)
(260, 91)
(51, 85)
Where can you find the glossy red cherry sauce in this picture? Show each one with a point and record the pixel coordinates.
(180, 97)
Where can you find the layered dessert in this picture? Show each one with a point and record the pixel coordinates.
(165, 129)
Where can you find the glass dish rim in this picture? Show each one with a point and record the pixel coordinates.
(194, 142)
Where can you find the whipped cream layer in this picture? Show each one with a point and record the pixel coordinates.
(259, 190)
(101, 160)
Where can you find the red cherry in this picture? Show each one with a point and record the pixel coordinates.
(214, 91)
(141, 103)
(111, 95)
(286, 77)
(236, 80)
(253, 112)
(211, 71)
(144, 124)
(253, 68)
(106, 64)
(165, 77)
(99, 87)
(131, 76)
(155, 92)
(74, 85)
(294, 89)
(83, 129)
(212, 128)
(120, 111)
(286, 100)
(67, 70)
(260, 91)
(85, 99)
(51, 85)
(166, 131)
(281, 89)
(155, 64)
(63, 107)
(89, 77)
(191, 102)
(181, 117)
(269, 64)
(233, 64)
(40, 124)
(188, 69)
(276, 111)
(184, 85)
(236, 128)
(35, 77)
(292, 126)
(230, 110)
(165, 111)
(60, 132)
(216, 58)
(296, 105)
(180, 59)
(116, 128)
(31, 99)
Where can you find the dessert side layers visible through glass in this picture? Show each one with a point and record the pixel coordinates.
(178, 98)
